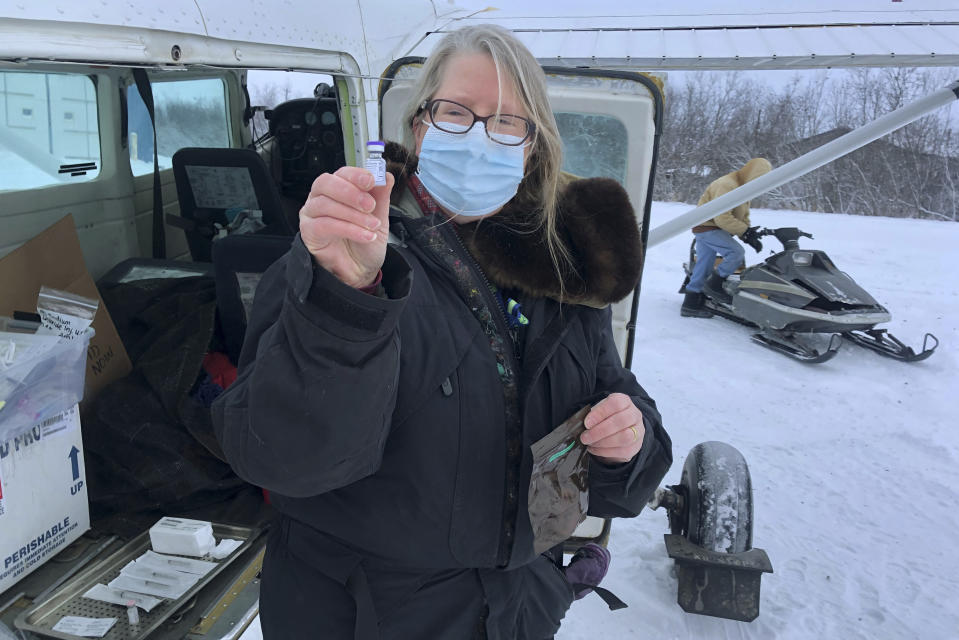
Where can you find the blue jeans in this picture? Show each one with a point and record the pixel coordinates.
(709, 244)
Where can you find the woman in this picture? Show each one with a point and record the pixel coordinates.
(388, 394)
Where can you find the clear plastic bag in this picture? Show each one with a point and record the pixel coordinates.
(43, 381)
(65, 314)
(559, 485)
(18, 347)
(42, 373)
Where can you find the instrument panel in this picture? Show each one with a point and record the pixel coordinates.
(309, 140)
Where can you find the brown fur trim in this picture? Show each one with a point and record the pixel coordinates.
(596, 222)
(604, 237)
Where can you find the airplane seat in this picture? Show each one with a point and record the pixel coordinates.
(239, 262)
(269, 151)
(133, 269)
(393, 103)
(225, 189)
(292, 207)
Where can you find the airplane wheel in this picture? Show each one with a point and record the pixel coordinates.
(719, 500)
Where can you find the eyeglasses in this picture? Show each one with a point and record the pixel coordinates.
(452, 117)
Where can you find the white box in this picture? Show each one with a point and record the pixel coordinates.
(182, 537)
(43, 495)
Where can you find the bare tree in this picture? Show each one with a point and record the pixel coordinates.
(716, 121)
(266, 95)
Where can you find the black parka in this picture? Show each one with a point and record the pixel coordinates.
(376, 423)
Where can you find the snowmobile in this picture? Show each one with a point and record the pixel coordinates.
(800, 291)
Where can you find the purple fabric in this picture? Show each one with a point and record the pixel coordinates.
(206, 391)
(588, 566)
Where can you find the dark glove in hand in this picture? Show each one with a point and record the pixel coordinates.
(751, 237)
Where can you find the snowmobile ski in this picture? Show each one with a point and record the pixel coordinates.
(793, 348)
(886, 344)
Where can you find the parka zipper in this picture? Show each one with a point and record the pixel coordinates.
(491, 300)
(513, 458)
(511, 493)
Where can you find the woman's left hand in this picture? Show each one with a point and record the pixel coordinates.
(614, 429)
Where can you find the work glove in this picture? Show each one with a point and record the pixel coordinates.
(751, 237)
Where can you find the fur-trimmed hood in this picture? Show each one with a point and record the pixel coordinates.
(596, 221)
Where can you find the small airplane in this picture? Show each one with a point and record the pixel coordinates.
(98, 99)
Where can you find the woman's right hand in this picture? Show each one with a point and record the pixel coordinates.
(345, 223)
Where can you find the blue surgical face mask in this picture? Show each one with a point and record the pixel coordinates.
(467, 173)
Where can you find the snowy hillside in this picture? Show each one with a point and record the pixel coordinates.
(855, 462)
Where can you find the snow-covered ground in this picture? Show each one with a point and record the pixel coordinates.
(855, 462)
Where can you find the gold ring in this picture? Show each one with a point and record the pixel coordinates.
(635, 433)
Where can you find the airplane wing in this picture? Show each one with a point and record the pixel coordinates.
(713, 35)
(705, 34)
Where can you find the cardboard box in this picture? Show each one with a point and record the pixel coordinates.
(54, 258)
(43, 495)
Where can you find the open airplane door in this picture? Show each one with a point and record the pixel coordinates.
(610, 123)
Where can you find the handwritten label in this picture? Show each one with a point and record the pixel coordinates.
(98, 358)
(63, 325)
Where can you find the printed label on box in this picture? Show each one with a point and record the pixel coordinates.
(1, 492)
(44, 495)
(56, 424)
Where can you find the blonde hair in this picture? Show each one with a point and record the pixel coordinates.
(513, 61)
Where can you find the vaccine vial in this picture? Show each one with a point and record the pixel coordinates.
(375, 163)
(133, 615)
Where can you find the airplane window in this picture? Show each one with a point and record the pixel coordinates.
(189, 113)
(594, 145)
(48, 129)
(296, 126)
(269, 88)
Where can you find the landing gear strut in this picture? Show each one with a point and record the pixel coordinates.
(711, 526)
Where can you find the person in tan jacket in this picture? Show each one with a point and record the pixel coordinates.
(715, 237)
